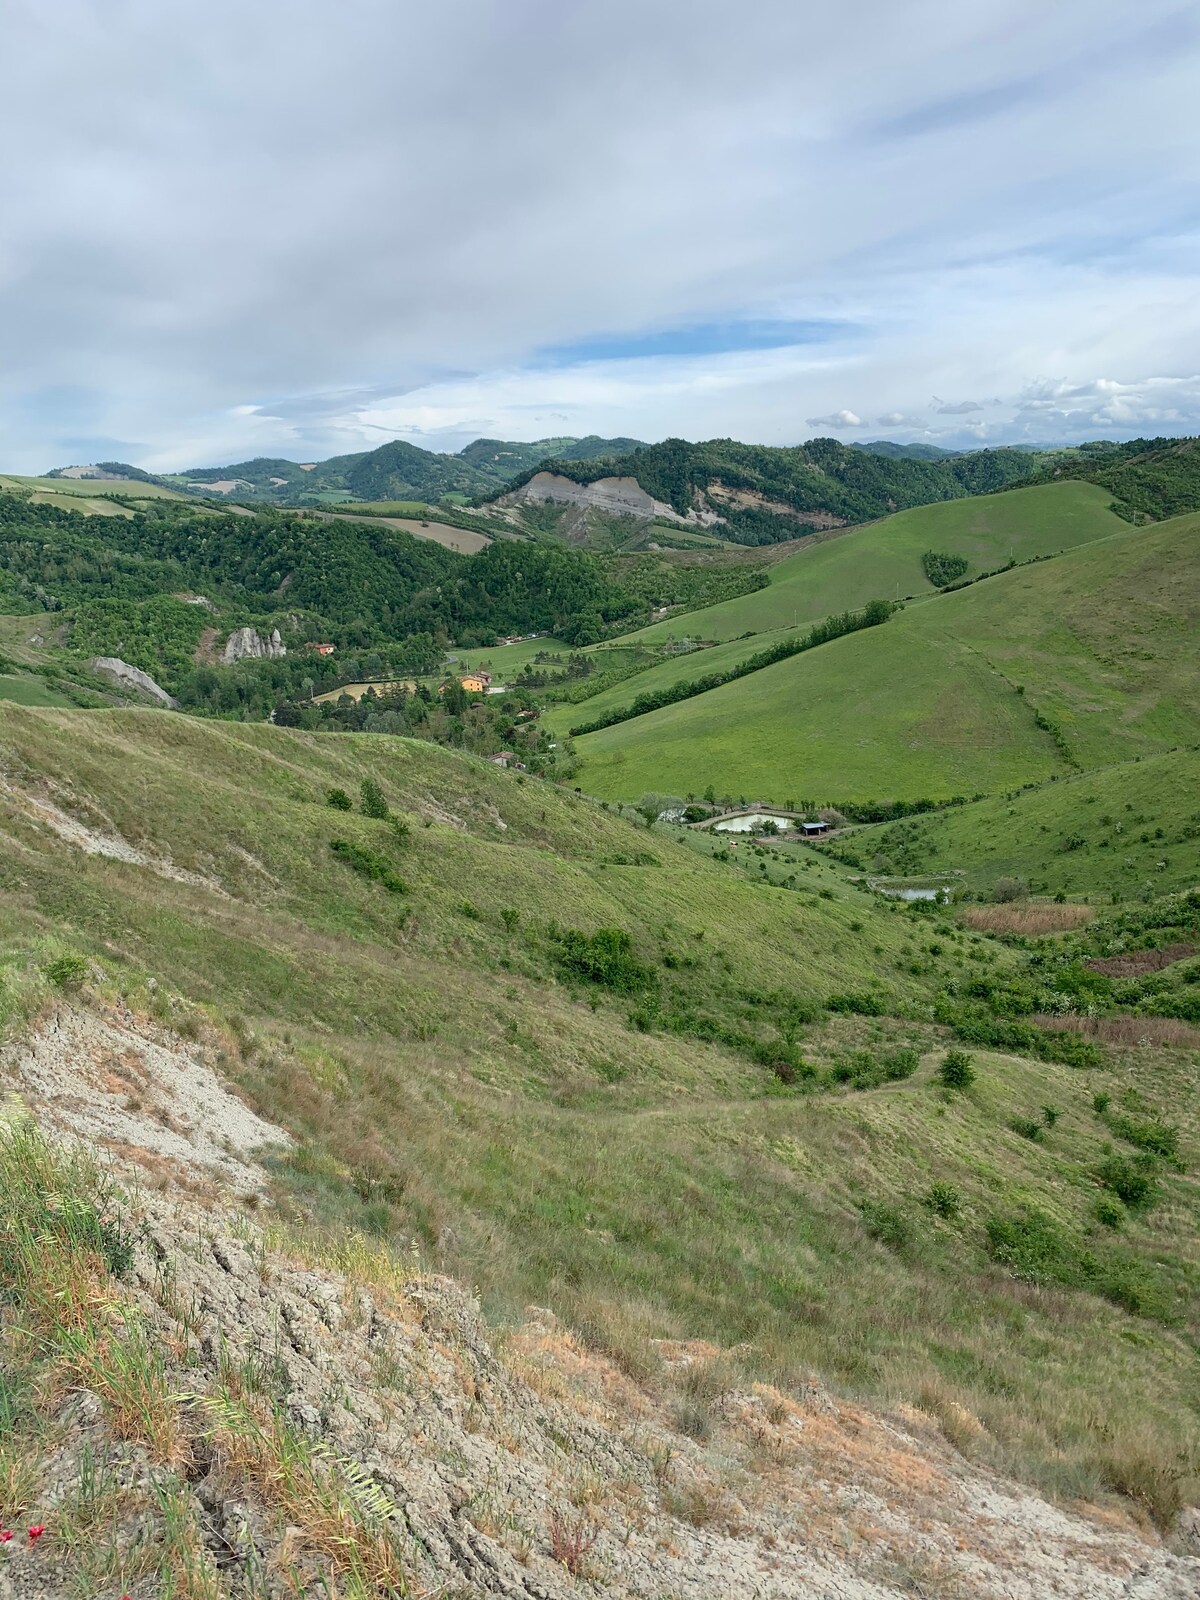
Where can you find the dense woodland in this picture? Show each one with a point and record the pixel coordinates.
(149, 587)
(822, 475)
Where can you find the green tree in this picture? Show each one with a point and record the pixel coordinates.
(956, 1071)
(373, 802)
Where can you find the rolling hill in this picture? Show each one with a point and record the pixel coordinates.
(577, 1064)
(395, 471)
(1126, 829)
(1074, 662)
(883, 559)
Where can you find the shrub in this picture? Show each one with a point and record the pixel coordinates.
(605, 957)
(1010, 889)
(372, 800)
(1100, 1103)
(339, 800)
(1050, 1115)
(401, 831)
(956, 1071)
(1031, 1245)
(1109, 1211)
(1132, 1181)
(1028, 1128)
(510, 916)
(886, 1223)
(467, 909)
(864, 1005)
(368, 864)
(1159, 1138)
(943, 1200)
(67, 972)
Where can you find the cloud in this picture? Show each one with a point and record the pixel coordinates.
(957, 408)
(257, 245)
(836, 419)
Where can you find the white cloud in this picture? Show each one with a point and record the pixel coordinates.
(258, 245)
(835, 419)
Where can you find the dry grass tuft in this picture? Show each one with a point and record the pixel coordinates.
(1023, 917)
(572, 1540)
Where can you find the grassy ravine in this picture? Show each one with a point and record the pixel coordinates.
(454, 1076)
(1075, 662)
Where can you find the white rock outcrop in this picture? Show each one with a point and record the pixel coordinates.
(130, 679)
(246, 643)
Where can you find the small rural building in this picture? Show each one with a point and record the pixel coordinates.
(813, 830)
(321, 649)
(477, 682)
(502, 758)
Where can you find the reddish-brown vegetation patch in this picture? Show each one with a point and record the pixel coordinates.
(1023, 917)
(1167, 1031)
(1135, 963)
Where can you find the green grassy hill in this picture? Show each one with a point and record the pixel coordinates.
(1128, 829)
(604, 1122)
(883, 559)
(1079, 661)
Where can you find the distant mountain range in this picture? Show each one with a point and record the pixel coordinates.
(750, 494)
(395, 471)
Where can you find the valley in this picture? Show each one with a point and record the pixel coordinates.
(523, 1021)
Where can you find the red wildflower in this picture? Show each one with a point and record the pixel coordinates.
(36, 1532)
(5, 1535)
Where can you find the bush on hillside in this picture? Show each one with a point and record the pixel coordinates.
(372, 800)
(605, 957)
(67, 972)
(941, 568)
(956, 1071)
(1010, 889)
(368, 865)
(339, 800)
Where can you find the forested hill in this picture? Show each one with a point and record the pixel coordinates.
(152, 586)
(395, 471)
(823, 475)
(1149, 479)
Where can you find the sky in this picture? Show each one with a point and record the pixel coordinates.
(302, 228)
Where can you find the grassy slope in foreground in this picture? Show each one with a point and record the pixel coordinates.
(444, 1083)
(876, 561)
(1101, 639)
(1130, 828)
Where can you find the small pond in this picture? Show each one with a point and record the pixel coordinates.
(747, 824)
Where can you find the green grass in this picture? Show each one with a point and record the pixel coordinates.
(89, 489)
(29, 692)
(1122, 828)
(547, 1138)
(883, 559)
(504, 660)
(945, 698)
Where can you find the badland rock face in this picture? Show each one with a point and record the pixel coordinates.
(130, 679)
(340, 1410)
(246, 643)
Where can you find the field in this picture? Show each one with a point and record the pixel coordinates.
(505, 660)
(29, 692)
(1079, 661)
(882, 560)
(77, 494)
(548, 1137)
(465, 540)
(1122, 828)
